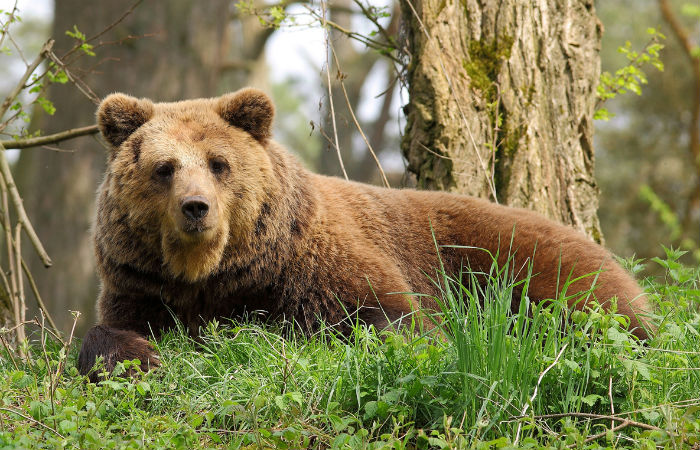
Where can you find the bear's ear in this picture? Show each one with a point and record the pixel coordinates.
(250, 110)
(119, 115)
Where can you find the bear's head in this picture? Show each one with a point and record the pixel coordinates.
(190, 177)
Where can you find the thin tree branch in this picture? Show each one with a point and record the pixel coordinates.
(644, 426)
(39, 301)
(534, 394)
(45, 50)
(385, 49)
(330, 95)
(368, 14)
(354, 119)
(50, 138)
(5, 31)
(19, 208)
(33, 420)
(80, 84)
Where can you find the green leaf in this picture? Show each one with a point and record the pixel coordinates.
(67, 426)
(46, 105)
(143, 387)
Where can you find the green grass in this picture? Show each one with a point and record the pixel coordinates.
(490, 378)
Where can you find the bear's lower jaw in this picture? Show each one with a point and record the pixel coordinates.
(193, 257)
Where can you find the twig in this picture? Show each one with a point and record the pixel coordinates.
(49, 139)
(357, 124)
(33, 420)
(39, 301)
(19, 208)
(371, 43)
(25, 269)
(7, 347)
(101, 33)
(80, 84)
(534, 394)
(330, 94)
(624, 424)
(42, 326)
(10, 259)
(45, 49)
(389, 39)
(21, 336)
(644, 426)
(6, 25)
(48, 367)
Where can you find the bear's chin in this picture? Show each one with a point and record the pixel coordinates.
(193, 257)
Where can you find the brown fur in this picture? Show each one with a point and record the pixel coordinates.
(280, 239)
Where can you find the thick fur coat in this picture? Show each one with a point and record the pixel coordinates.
(202, 216)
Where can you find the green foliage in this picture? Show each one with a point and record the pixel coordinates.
(630, 77)
(273, 16)
(79, 36)
(669, 220)
(483, 377)
(32, 91)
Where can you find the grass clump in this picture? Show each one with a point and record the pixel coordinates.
(538, 377)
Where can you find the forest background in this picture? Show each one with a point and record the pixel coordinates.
(645, 167)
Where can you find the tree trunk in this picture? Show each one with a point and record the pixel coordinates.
(175, 55)
(501, 103)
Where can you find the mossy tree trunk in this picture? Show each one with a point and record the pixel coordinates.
(501, 103)
(163, 50)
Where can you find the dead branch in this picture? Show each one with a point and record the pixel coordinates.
(10, 260)
(49, 139)
(330, 95)
(21, 304)
(39, 301)
(33, 420)
(354, 119)
(19, 208)
(644, 426)
(534, 394)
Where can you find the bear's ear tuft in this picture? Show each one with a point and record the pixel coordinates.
(250, 110)
(119, 115)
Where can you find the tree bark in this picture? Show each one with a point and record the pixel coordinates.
(175, 55)
(501, 103)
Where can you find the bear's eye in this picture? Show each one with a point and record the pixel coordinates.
(164, 171)
(218, 166)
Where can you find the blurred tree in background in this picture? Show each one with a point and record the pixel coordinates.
(164, 50)
(645, 159)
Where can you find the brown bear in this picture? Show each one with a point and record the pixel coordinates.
(202, 216)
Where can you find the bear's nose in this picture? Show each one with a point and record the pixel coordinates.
(195, 207)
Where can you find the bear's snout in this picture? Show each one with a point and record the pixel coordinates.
(195, 207)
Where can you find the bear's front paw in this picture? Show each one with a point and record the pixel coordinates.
(114, 345)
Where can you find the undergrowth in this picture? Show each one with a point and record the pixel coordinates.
(486, 377)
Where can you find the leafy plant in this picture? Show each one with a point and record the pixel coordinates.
(632, 76)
